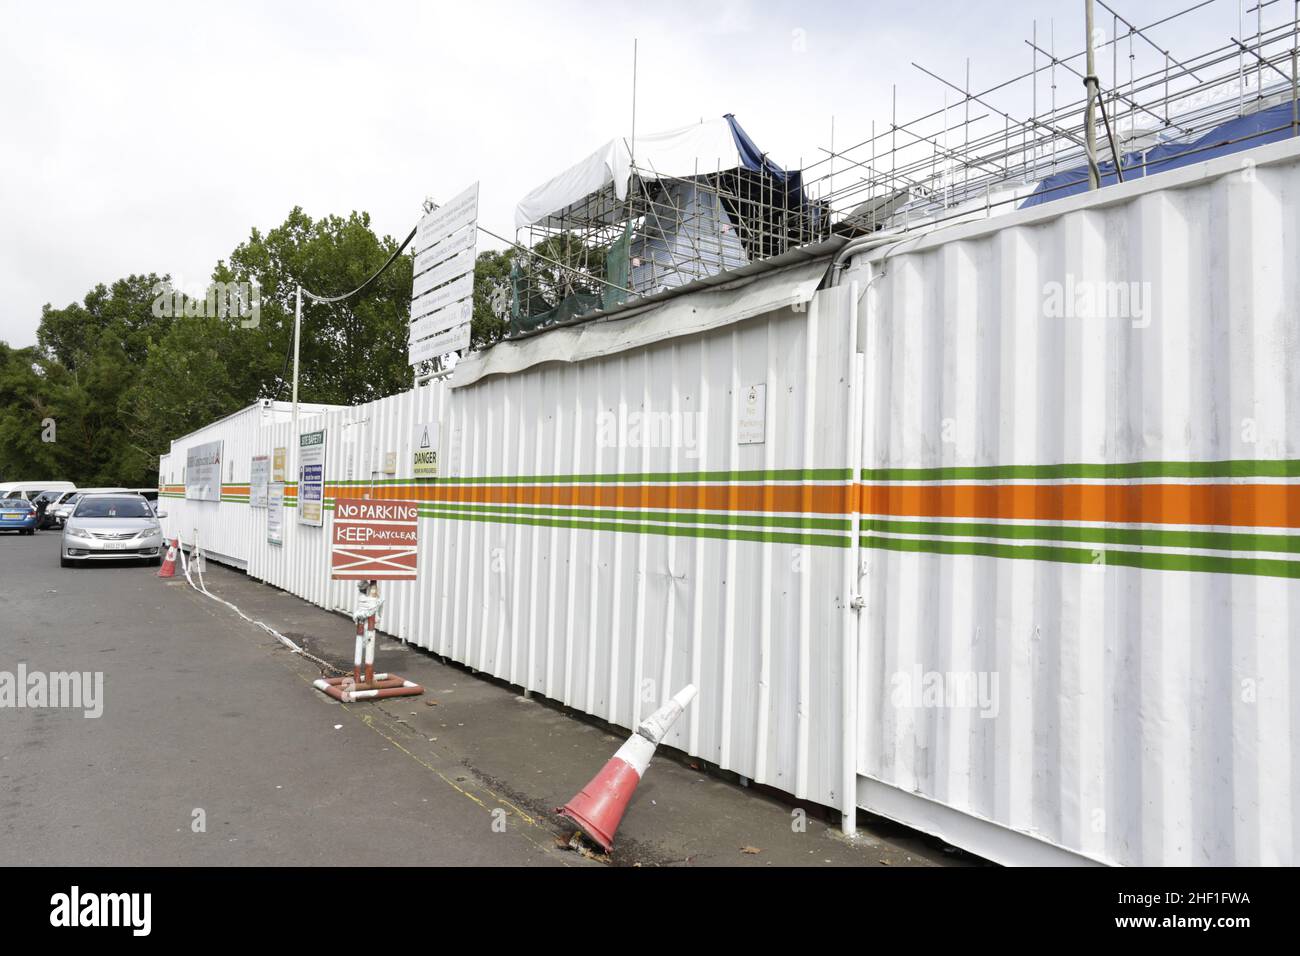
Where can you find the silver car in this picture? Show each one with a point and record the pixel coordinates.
(111, 527)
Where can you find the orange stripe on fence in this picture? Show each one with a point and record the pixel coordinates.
(813, 499)
(1246, 505)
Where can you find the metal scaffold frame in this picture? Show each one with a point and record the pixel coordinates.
(981, 153)
(939, 166)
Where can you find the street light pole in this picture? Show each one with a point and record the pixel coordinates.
(297, 339)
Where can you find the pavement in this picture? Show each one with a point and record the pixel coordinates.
(214, 749)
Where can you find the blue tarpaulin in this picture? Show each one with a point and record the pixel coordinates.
(1244, 132)
(752, 158)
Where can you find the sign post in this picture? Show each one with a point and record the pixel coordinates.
(371, 540)
(442, 290)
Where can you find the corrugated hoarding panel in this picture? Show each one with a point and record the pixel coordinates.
(1070, 440)
(1081, 515)
(606, 538)
(605, 532)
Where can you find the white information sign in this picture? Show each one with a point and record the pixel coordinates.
(275, 513)
(462, 263)
(451, 216)
(442, 289)
(424, 457)
(203, 472)
(462, 239)
(440, 344)
(751, 420)
(258, 481)
(443, 296)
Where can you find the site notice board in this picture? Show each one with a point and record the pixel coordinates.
(311, 478)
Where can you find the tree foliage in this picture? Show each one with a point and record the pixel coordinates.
(119, 377)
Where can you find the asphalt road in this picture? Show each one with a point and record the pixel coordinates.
(204, 718)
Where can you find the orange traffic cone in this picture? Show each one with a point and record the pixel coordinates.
(598, 808)
(168, 569)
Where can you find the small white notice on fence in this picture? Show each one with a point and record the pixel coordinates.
(258, 481)
(275, 513)
(751, 420)
(424, 455)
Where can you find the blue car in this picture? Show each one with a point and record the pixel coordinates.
(17, 514)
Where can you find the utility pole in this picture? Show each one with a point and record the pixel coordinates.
(297, 339)
(1090, 119)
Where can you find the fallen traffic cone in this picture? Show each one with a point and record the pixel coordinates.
(168, 569)
(598, 808)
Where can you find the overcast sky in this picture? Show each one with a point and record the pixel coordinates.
(150, 137)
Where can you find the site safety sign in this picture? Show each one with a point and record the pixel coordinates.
(374, 540)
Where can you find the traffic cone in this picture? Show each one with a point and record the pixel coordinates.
(598, 808)
(168, 569)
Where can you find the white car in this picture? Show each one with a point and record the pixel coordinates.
(111, 527)
(61, 509)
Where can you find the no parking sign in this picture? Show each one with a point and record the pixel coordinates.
(374, 540)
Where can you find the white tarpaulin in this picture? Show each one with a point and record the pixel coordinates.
(705, 147)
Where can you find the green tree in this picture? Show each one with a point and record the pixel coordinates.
(25, 409)
(122, 376)
(351, 352)
(491, 272)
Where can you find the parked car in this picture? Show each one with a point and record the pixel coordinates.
(112, 527)
(17, 514)
(53, 512)
(48, 499)
(31, 489)
(63, 509)
(148, 494)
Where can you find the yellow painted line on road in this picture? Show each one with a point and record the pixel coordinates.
(368, 721)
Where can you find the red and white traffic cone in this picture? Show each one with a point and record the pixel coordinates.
(168, 569)
(598, 808)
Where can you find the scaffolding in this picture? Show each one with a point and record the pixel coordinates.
(667, 232)
(949, 163)
(983, 152)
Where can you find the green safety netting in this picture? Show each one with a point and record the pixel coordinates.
(531, 311)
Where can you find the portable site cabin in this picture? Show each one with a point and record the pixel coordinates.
(940, 524)
(211, 471)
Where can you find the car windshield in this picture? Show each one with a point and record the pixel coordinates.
(15, 504)
(113, 508)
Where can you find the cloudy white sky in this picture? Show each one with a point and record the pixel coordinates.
(139, 137)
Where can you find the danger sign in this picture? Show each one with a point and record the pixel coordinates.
(374, 540)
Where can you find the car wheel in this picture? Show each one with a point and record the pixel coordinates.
(65, 562)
